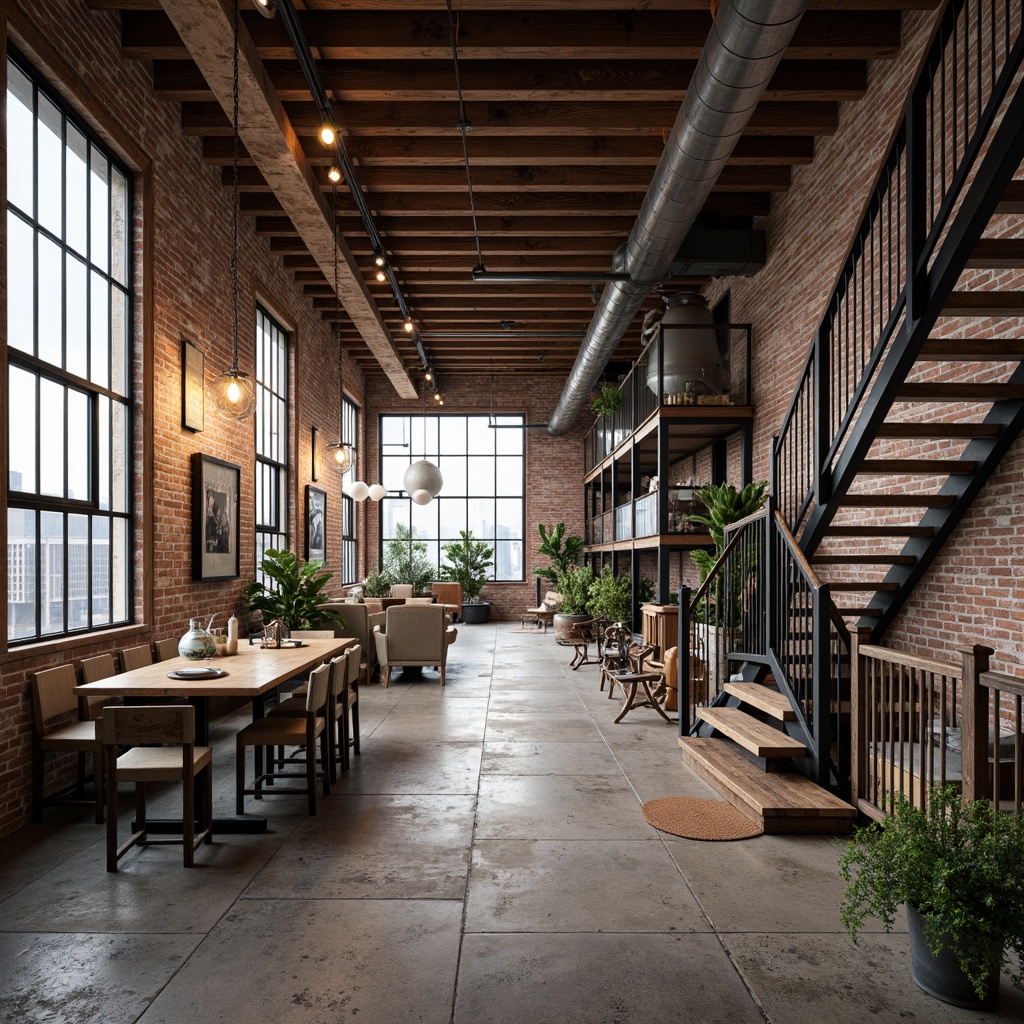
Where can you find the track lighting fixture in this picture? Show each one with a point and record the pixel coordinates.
(408, 325)
(334, 174)
(328, 136)
(429, 375)
(379, 259)
(381, 276)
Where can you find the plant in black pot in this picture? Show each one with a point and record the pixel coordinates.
(960, 871)
(574, 585)
(296, 598)
(468, 563)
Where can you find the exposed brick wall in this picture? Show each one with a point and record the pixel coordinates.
(191, 298)
(554, 465)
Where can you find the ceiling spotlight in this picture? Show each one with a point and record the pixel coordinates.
(328, 136)
(440, 400)
(268, 8)
(429, 375)
(408, 325)
(378, 259)
(334, 173)
(437, 396)
(381, 276)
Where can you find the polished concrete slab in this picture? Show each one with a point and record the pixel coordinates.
(484, 861)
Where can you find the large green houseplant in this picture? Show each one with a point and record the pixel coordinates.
(611, 597)
(561, 550)
(574, 585)
(961, 868)
(406, 562)
(296, 596)
(468, 563)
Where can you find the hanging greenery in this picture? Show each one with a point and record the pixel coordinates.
(607, 401)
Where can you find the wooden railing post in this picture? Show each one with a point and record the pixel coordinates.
(974, 722)
(683, 650)
(858, 714)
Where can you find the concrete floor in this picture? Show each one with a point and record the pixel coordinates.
(484, 862)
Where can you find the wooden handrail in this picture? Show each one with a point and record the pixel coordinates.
(726, 551)
(1002, 682)
(798, 555)
(905, 660)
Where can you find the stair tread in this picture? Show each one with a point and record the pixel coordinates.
(997, 254)
(896, 530)
(973, 349)
(962, 391)
(866, 586)
(765, 698)
(865, 559)
(984, 303)
(757, 737)
(901, 500)
(783, 802)
(1013, 198)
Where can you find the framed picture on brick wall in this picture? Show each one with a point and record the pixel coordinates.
(215, 500)
(316, 524)
(193, 401)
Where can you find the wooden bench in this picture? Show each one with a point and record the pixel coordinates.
(545, 613)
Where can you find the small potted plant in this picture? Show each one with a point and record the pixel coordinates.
(607, 401)
(574, 586)
(959, 870)
(468, 563)
(297, 597)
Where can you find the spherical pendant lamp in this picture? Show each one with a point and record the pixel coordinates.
(423, 476)
(358, 491)
(377, 491)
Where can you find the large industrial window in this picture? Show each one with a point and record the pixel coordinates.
(69, 358)
(349, 547)
(271, 435)
(482, 461)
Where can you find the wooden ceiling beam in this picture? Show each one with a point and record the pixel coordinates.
(642, 81)
(518, 118)
(515, 35)
(543, 5)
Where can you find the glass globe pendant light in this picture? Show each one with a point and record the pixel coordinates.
(233, 392)
(344, 454)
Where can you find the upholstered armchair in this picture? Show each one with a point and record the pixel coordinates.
(359, 622)
(413, 634)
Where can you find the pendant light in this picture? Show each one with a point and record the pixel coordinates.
(233, 391)
(344, 454)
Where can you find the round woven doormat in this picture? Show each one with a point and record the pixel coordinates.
(691, 818)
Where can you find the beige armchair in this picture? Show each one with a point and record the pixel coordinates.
(413, 634)
(359, 622)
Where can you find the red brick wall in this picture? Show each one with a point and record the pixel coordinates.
(191, 298)
(554, 465)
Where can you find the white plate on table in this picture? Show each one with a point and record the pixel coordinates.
(197, 672)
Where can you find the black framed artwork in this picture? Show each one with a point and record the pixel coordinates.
(317, 468)
(215, 518)
(193, 401)
(316, 524)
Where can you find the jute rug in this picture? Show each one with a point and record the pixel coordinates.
(691, 818)
(529, 629)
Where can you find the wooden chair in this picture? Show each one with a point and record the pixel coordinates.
(53, 702)
(162, 748)
(349, 735)
(449, 595)
(617, 641)
(102, 666)
(285, 730)
(401, 590)
(136, 657)
(545, 611)
(166, 649)
(311, 634)
(581, 635)
(642, 688)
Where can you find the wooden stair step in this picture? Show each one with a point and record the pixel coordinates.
(760, 739)
(782, 803)
(880, 587)
(881, 531)
(984, 304)
(872, 559)
(938, 431)
(868, 612)
(919, 467)
(765, 699)
(898, 500)
(997, 254)
(1013, 198)
(960, 392)
(973, 350)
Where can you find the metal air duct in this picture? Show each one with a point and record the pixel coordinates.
(746, 42)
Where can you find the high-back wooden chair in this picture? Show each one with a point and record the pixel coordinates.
(54, 704)
(304, 731)
(162, 748)
(102, 666)
(166, 649)
(136, 657)
(350, 717)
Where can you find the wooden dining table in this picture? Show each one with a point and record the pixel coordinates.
(253, 673)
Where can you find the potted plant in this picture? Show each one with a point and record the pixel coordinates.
(297, 597)
(959, 870)
(405, 561)
(563, 551)
(574, 586)
(607, 401)
(611, 597)
(377, 585)
(469, 561)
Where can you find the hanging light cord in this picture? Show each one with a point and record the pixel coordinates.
(464, 127)
(337, 314)
(234, 197)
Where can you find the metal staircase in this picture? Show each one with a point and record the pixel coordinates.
(897, 421)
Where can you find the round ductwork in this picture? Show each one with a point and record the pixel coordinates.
(692, 360)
